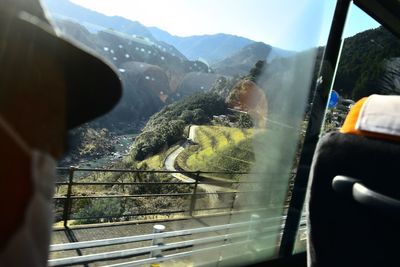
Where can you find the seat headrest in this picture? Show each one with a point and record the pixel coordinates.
(376, 116)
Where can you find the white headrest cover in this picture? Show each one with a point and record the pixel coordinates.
(380, 114)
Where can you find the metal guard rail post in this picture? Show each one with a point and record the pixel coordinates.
(67, 203)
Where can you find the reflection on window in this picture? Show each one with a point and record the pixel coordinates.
(205, 134)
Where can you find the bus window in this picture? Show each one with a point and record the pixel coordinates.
(368, 64)
(207, 131)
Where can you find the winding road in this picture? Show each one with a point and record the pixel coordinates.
(170, 166)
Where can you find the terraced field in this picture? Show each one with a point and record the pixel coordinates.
(219, 149)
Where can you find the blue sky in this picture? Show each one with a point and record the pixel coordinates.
(289, 24)
(358, 21)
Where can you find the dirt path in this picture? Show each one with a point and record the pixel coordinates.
(170, 166)
(192, 132)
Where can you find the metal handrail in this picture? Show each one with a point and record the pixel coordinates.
(174, 256)
(122, 240)
(161, 195)
(148, 171)
(253, 227)
(194, 194)
(193, 184)
(142, 250)
(184, 254)
(127, 183)
(132, 214)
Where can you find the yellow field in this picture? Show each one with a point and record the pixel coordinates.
(212, 140)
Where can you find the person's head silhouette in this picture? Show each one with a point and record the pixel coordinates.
(48, 84)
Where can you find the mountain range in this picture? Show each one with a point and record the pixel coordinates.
(158, 68)
(211, 48)
(155, 66)
(68, 9)
(208, 48)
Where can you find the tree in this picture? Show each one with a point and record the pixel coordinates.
(200, 117)
(245, 121)
(166, 127)
(256, 70)
(101, 209)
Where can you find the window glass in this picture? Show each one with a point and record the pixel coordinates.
(215, 94)
(368, 64)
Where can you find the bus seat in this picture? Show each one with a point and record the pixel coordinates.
(354, 191)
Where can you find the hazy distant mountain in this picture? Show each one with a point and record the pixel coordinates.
(151, 73)
(195, 82)
(78, 32)
(211, 48)
(207, 48)
(87, 16)
(279, 53)
(242, 61)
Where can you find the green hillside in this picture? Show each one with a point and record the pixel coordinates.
(362, 62)
(165, 128)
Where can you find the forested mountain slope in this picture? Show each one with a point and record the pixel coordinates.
(365, 62)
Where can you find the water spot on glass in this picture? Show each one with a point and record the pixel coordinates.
(149, 52)
(141, 65)
(147, 78)
(162, 58)
(114, 58)
(127, 56)
(202, 87)
(122, 70)
(136, 48)
(195, 64)
(153, 79)
(164, 49)
(142, 49)
(120, 46)
(106, 48)
(161, 92)
(112, 51)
